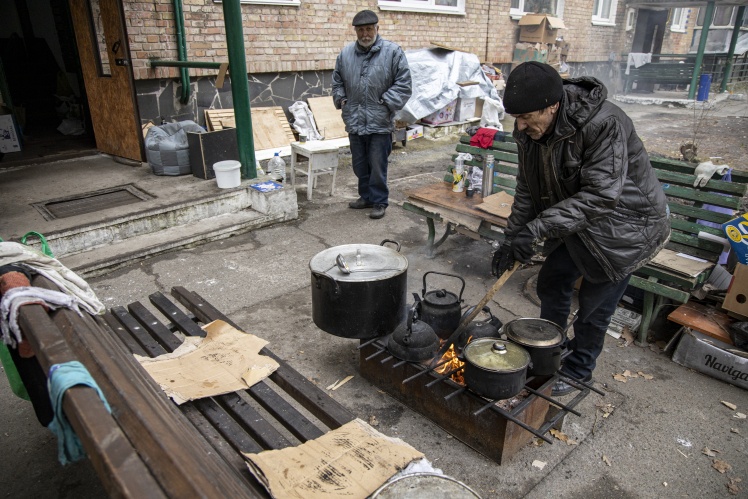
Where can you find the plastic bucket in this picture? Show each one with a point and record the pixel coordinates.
(705, 83)
(228, 173)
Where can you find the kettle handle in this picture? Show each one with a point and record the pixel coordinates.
(445, 274)
(391, 241)
(484, 309)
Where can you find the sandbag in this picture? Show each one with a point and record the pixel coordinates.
(166, 147)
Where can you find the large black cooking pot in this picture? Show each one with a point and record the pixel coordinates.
(495, 368)
(542, 339)
(359, 290)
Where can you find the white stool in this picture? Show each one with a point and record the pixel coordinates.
(323, 160)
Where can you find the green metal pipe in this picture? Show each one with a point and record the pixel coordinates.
(232, 16)
(731, 51)
(184, 64)
(708, 16)
(182, 50)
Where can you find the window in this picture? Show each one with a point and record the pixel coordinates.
(436, 6)
(630, 19)
(604, 12)
(519, 8)
(679, 18)
(723, 16)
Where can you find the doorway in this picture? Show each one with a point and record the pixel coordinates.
(41, 76)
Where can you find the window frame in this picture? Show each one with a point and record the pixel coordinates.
(598, 20)
(518, 13)
(630, 19)
(678, 24)
(702, 13)
(427, 6)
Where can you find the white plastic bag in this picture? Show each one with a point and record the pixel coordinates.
(303, 120)
(493, 113)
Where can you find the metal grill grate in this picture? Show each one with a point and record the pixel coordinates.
(91, 202)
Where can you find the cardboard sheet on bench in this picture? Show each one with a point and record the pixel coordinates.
(499, 204)
(329, 120)
(225, 361)
(676, 262)
(350, 462)
(444, 201)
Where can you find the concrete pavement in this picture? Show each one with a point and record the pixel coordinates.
(648, 446)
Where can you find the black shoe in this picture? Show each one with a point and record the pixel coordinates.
(561, 387)
(377, 211)
(360, 204)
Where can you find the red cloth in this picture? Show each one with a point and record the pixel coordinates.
(483, 138)
(11, 280)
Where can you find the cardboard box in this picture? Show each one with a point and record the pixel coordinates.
(464, 109)
(539, 28)
(414, 132)
(207, 149)
(524, 53)
(711, 357)
(736, 298)
(8, 135)
(443, 115)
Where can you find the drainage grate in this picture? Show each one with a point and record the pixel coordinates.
(91, 202)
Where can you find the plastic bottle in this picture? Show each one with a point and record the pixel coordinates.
(277, 168)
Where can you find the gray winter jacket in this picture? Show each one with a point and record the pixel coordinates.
(606, 201)
(376, 84)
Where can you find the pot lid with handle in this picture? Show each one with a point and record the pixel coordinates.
(365, 262)
(496, 355)
(534, 332)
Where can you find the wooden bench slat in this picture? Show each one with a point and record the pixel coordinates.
(738, 177)
(257, 426)
(694, 228)
(228, 428)
(158, 331)
(120, 468)
(309, 395)
(137, 332)
(178, 318)
(692, 194)
(712, 185)
(696, 213)
(660, 289)
(284, 412)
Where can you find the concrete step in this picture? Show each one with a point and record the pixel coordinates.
(104, 259)
(97, 248)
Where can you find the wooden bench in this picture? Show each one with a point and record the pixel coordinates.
(148, 446)
(657, 72)
(687, 206)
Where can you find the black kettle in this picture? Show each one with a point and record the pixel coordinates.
(440, 308)
(413, 340)
(488, 328)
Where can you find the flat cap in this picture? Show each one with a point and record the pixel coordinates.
(365, 17)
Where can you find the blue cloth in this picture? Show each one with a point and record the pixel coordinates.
(369, 157)
(61, 377)
(597, 302)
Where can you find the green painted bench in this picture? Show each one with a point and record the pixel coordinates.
(687, 205)
(657, 72)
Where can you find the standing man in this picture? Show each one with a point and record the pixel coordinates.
(371, 82)
(587, 191)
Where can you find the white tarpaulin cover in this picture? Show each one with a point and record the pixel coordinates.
(435, 73)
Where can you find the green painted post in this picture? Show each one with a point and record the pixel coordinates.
(708, 16)
(232, 16)
(731, 51)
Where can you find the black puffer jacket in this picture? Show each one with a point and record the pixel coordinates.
(609, 204)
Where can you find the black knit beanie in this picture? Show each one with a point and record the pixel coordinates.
(532, 86)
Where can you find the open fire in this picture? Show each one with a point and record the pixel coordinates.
(452, 362)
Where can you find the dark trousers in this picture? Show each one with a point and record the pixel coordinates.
(597, 302)
(369, 155)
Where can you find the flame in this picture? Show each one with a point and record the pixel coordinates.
(453, 363)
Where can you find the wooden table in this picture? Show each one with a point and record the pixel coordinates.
(438, 202)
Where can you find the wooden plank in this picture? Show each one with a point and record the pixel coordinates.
(140, 335)
(696, 213)
(329, 120)
(711, 186)
(285, 413)
(441, 195)
(178, 318)
(227, 427)
(158, 331)
(659, 289)
(118, 465)
(701, 197)
(270, 127)
(252, 422)
(706, 320)
(309, 395)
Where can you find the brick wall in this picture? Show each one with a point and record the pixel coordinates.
(309, 37)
